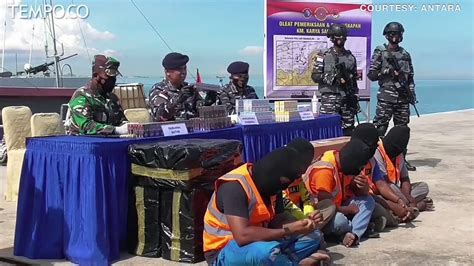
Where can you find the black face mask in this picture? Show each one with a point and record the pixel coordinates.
(338, 42)
(240, 81)
(354, 156)
(109, 84)
(394, 37)
(267, 172)
(367, 133)
(396, 141)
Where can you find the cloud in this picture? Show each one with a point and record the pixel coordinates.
(251, 51)
(20, 36)
(112, 53)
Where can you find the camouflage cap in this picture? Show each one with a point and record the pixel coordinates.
(109, 65)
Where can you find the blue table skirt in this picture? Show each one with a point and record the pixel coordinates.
(261, 139)
(73, 190)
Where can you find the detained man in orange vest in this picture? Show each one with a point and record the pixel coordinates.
(337, 177)
(296, 198)
(391, 161)
(240, 225)
(386, 199)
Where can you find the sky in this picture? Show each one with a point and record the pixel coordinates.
(216, 32)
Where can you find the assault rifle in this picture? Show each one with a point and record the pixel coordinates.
(401, 83)
(351, 99)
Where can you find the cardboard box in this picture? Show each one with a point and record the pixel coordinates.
(323, 145)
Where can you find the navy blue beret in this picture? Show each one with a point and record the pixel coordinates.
(238, 67)
(175, 60)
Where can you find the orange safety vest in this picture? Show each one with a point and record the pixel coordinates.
(328, 161)
(368, 172)
(393, 171)
(293, 192)
(217, 232)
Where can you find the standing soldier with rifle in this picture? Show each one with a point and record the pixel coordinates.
(335, 72)
(392, 66)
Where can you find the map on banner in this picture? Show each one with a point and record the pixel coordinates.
(295, 57)
(296, 35)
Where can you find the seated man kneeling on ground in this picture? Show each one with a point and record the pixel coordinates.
(386, 199)
(390, 158)
(337, 177)
(240, 225)
(296, 199)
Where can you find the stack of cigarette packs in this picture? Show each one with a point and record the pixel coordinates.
(287, 111)
(211, 117)
(260, 108)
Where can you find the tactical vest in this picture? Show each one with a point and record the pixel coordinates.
(330, 61)
(387, 91)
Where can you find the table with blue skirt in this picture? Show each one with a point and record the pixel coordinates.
(72, 200)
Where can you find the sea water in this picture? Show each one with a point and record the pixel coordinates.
(434, 96)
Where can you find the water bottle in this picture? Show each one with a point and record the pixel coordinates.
(315, 104)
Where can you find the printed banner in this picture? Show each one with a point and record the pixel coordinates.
(295, 33)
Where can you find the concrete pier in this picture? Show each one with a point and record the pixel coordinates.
(442, 148)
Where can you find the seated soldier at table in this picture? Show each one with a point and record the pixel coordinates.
(336, 176)
(237, 88)
(386, 199)
(240, 225)
(390, 158)
(296, 199)
(94, 109)
(173, 98)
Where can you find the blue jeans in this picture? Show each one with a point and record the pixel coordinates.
(283, 252)
(340, 224)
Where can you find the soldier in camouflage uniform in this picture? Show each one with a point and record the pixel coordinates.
(173, 98)
(237, 88)
(337, 92)
(94, 109)
(393, 97)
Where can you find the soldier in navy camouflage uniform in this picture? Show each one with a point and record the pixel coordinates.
(237, 88)
(393, 99)
(173, 98)
(334, 89)
(94, 109)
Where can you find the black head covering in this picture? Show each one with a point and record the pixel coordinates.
(354, 156)
(238, 67)
(367, 133)
(175, 60)
(305, 152)
(267, 171)
(396, 140)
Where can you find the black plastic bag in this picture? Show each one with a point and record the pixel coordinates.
(183, 224)
(144, 225)
(186, 154)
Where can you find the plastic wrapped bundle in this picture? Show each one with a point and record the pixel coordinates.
(144, 227)
(166, 218)
(184, 189)
(187, 154)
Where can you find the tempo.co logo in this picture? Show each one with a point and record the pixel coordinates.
(57, 11)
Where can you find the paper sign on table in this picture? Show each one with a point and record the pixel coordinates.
(174, 129)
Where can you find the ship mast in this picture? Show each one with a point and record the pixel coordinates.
(56, 56)
(4, 36)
